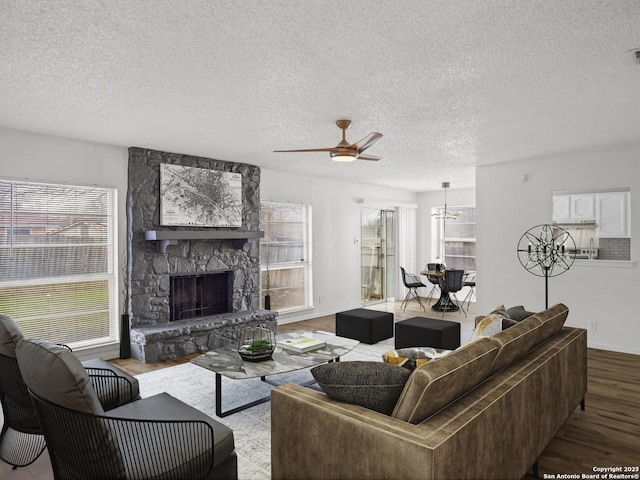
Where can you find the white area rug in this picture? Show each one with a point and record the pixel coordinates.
(251, 428)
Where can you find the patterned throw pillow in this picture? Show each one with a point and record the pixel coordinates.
(493, 323)
(373, 385)
(411, 358)
(488, 326)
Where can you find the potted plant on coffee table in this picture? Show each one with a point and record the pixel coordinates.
(256, 344)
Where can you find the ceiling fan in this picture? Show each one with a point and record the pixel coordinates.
(345, 151)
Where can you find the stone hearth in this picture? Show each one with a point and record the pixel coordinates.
(190, 251)
(184, 337)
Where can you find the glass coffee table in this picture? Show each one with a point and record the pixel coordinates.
(225, 361)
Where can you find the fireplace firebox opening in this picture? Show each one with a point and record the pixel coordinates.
(200, 295)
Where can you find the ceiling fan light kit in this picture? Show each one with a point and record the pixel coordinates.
(345, 151)
(343, 157)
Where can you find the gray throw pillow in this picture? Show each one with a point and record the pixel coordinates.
(373, 385)
(518, 313)
(508, 322)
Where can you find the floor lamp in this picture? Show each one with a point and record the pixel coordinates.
(546, 251)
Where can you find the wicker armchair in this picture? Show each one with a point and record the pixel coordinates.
(86, 446)
(158, 437)
(21, 437)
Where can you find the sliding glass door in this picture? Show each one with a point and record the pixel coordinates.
(377, 255)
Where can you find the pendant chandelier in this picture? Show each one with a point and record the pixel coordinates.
(446, 214)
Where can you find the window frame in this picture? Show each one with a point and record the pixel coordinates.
(109, 330)
(305, 264)
(438, 245)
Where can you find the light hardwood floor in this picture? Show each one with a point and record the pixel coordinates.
(606, 434)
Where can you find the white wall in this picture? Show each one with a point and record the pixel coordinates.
(336, 223)
(28, 156)
(507, 207)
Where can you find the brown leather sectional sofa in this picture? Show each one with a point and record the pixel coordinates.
(486, 410)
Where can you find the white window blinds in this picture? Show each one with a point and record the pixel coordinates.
(285, 255)
(57, 261)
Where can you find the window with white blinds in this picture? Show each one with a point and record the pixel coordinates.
(58, 273)
(285, 262)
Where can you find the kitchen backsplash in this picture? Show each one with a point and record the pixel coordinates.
(614, 249)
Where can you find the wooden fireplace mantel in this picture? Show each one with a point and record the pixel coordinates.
(171, 237)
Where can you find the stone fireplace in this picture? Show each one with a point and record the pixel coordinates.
(216, 270)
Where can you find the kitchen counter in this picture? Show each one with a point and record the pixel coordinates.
(605, 263)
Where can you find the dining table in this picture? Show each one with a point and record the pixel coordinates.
(445, 298)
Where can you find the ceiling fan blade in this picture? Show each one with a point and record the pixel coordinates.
(366, 142)
(368, 157)
(329, 149)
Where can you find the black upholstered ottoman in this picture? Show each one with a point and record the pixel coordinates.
(366, 326)
(427, 332)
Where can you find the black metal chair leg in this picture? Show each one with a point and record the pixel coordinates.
(415, 294)
(535, 470)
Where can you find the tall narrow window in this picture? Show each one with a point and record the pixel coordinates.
(458, 239)
(57, 261)
(285, 262)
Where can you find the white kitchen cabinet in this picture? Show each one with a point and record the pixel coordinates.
(574, 207)
(613, 215)
(561, 207)
(583, 207)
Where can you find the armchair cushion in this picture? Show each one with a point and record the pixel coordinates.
(10, 334)
(373, 385)
(55, 374)
(165, 407)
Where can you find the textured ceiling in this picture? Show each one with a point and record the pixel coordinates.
(451, 84)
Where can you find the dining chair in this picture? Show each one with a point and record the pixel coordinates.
(452, 282)
(433, 267)
(412, 282)
(469, 280)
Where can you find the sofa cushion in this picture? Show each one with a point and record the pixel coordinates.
(515, 342)
(64, 381)
(520, 339)
(10, 334)
(373, 385)
(439, 382)
(553, 319)
(411, 358)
